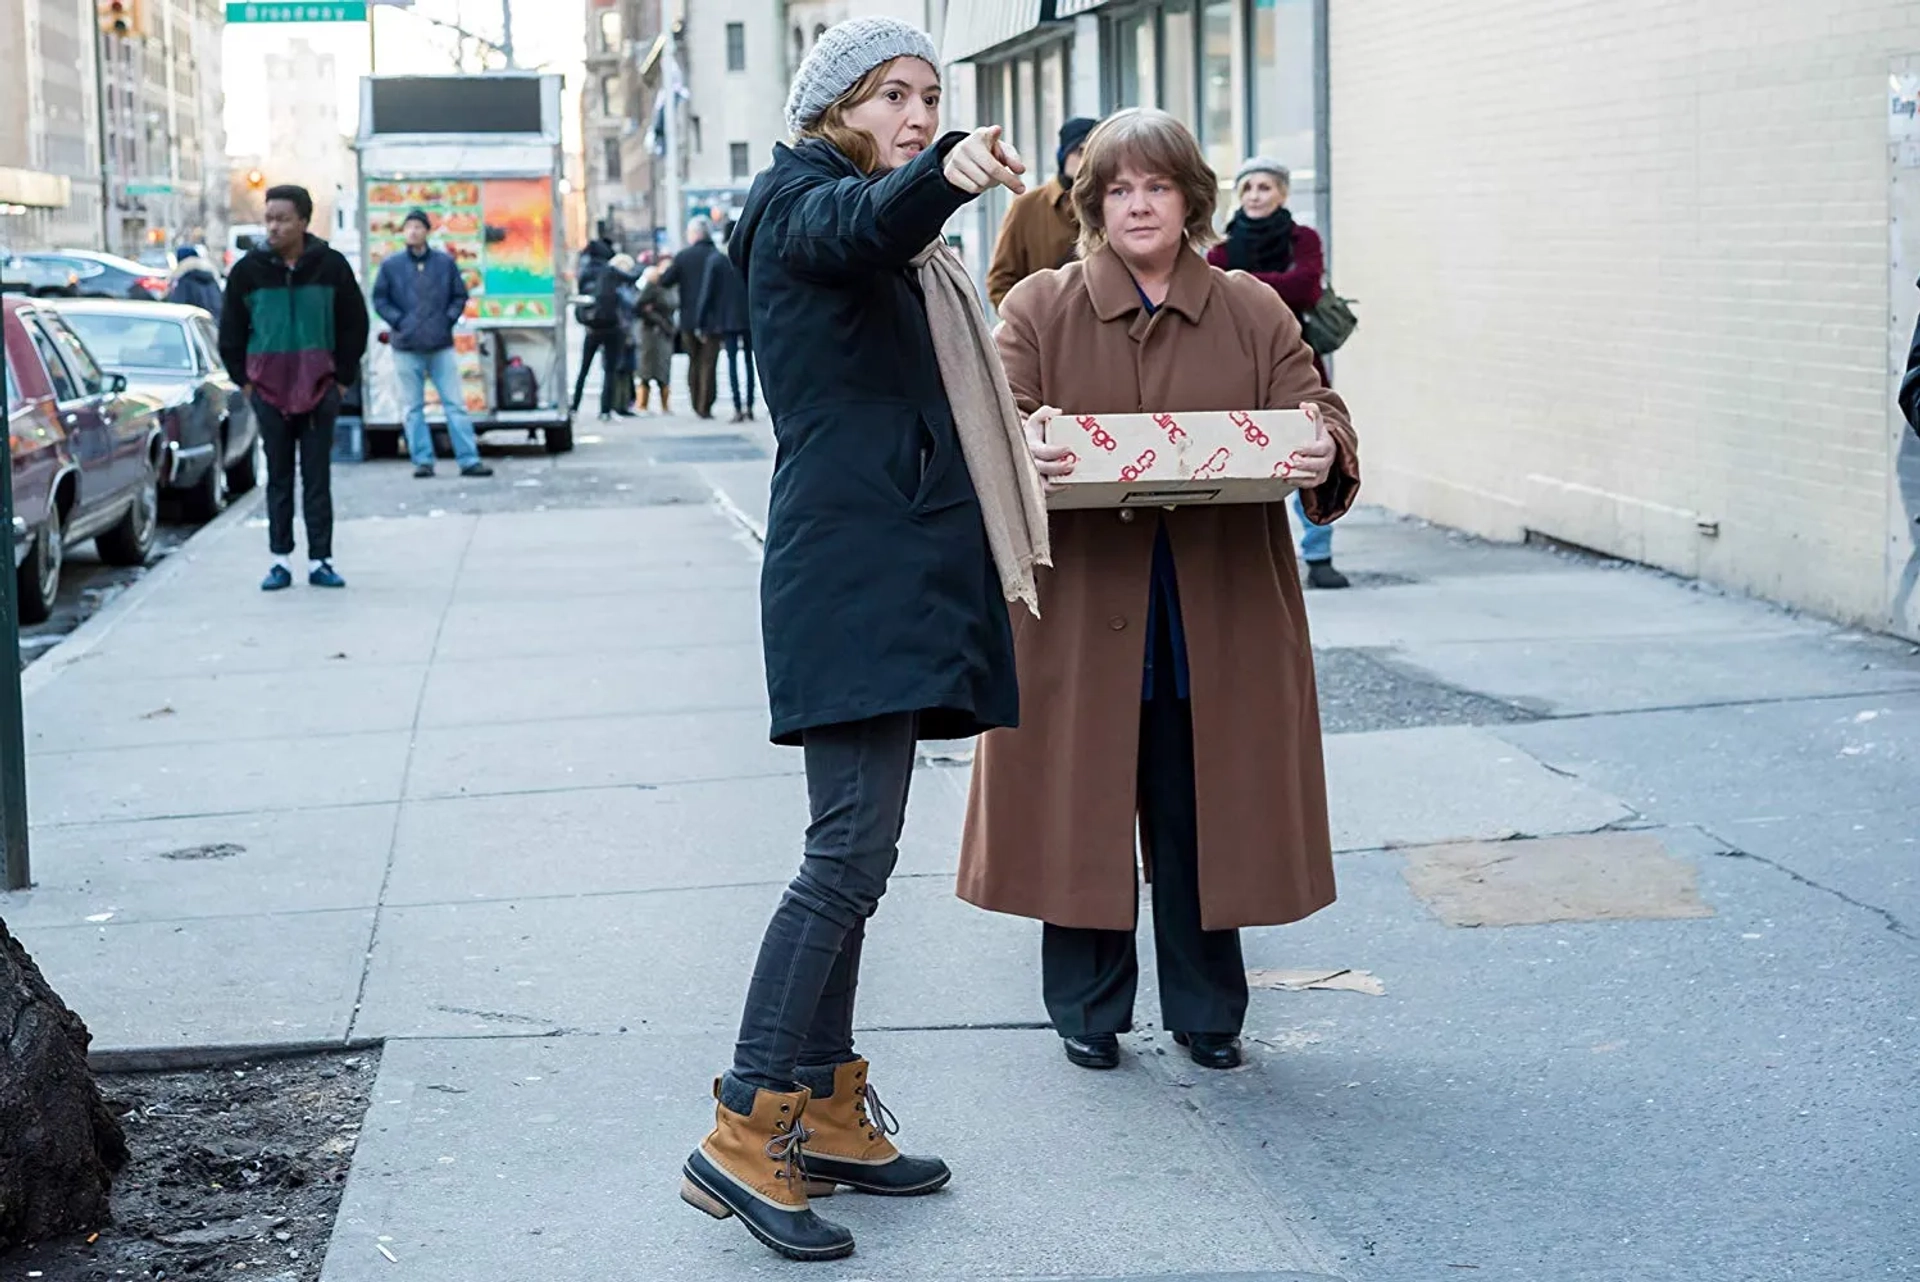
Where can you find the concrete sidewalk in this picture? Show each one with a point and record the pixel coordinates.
(507, 803)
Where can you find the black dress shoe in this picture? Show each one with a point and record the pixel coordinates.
(1211, 1050)
(1095, 1050)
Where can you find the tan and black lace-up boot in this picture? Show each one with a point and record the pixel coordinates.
(849, 1140)
(750, 1167)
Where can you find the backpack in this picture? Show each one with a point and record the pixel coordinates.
(1329, 323)
(519, 389)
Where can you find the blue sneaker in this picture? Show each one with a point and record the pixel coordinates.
(325, 576)
(278, 579)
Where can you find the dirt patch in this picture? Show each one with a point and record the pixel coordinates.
(236, 1171)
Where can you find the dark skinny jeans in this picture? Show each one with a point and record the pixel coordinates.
(798, 1022)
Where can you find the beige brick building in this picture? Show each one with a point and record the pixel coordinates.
(1625, 279)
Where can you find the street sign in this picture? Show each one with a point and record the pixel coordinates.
(306, 11)
(149, 189)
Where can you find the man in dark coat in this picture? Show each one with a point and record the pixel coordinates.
(606, 334)
(420, 295)
(194, 283)
(688, 274)
(725, 302)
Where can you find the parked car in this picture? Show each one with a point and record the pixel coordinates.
(93, 275)
(87, 454)
(171, 353)
(41, 277)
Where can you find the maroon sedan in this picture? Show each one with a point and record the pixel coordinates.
(87, 456)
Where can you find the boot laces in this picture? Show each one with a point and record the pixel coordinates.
(784, 1149)
(881, 1120)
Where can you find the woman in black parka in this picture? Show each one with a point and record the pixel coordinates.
(882, 610)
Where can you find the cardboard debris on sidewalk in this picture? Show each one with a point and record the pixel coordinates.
(1299, 981)
(1165, 460)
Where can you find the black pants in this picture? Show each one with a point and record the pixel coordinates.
(308, 440)
(798, 1022)
(739, 345)
(1089, 976)
(611, 344)
(703, 372)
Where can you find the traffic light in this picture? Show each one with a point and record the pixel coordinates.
(121, 17)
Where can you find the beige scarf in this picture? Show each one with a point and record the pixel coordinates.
(993, 440)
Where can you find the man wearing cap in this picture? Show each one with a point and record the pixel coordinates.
(1038, 233)
(420, 295)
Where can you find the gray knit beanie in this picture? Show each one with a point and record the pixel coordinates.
(1262, 165)
(844, 53)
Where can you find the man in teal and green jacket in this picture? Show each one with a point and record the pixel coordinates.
(292, 334)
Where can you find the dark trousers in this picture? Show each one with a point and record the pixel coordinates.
(1089, 976)
(739, 345)
(305, 440)
(798, 1021)
(610, 343)
(703, 371)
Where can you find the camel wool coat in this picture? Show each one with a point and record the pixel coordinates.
(1051, 819)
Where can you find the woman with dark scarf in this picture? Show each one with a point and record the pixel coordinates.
(1263, 239)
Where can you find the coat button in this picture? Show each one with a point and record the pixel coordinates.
(1117, 623)
(1126, 514)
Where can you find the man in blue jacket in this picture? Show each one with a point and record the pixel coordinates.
(420, 295)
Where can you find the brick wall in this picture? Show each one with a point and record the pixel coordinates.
(1622, 269)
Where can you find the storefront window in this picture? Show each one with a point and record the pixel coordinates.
(1220, 86)
(1176, 64)
(1053, 101)
(1024, 99)
(1283, 92)
(1133, 62)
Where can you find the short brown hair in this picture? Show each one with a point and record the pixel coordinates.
(856, 145)
(1152, 142)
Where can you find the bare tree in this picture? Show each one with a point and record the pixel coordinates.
(60, 1145)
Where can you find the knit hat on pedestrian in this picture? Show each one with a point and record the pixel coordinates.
(845, 52)
(418, 216)
(1262, 165)
(185, 252)
(1073, 136)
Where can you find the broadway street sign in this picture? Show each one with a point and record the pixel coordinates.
(306, 11)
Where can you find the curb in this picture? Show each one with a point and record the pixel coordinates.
(79, 643)
(174, 1059)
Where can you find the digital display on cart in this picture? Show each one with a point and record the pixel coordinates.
(456, 105)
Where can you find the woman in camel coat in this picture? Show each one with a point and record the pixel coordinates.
(1215, 746)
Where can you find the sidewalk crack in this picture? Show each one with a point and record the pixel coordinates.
(1892, 919)
(406, 778)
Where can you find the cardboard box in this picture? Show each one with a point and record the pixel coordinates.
(1166, 460)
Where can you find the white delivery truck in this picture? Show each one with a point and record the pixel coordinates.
(481, 154)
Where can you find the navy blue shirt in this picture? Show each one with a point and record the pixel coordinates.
(1163, 606)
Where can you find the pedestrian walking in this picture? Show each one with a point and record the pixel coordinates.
(628, 293)
(293, 331)
(659, 322)
(1038, 233)
(606, 334)
(420, 295)
(688, 274)
(905, 512)
(1170, 683)
(1263, 239)
(1909, 395)
(725, 313)
(194, 283)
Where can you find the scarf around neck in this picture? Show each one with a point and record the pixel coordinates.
(1260, 244)
(993, 441)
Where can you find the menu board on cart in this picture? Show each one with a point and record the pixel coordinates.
(499, 231)
(500, 234)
